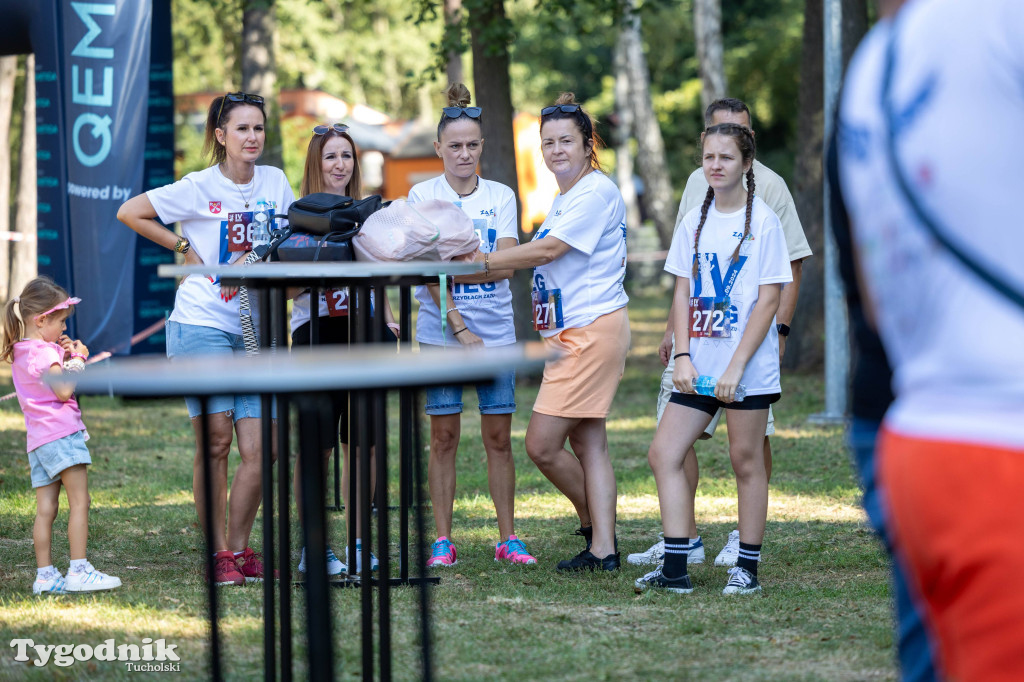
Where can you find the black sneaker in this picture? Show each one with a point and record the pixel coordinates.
(657, 580)
(587, 533)
(741, 581)
(585, 561)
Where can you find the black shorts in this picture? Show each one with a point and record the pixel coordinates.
(710, 405)
(333, 331)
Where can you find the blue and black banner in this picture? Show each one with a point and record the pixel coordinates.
(104, 134)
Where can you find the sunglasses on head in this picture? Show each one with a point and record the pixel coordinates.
(564, 108)
(239, 97)
(323, 130)
(455, 112)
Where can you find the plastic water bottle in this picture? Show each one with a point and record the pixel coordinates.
(261, 224)
(705, 385)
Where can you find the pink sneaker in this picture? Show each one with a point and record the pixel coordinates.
(514, 551)
(442, 553)
(250, 564)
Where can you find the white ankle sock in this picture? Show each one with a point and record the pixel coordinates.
(77, 565)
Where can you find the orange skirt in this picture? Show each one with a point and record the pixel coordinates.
(957, 523)
(582, 382)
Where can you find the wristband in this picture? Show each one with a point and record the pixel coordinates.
(74, 365)
(460, 331)
(79, 356)
(679, 355)
(783, 329)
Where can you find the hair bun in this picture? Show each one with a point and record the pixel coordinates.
(566, 98)
(458, 95)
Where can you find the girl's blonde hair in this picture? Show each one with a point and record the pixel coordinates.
(37, 297)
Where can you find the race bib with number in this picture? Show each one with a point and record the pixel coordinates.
(709, 317)
(337, 302)
(239, 236)
(547, 309)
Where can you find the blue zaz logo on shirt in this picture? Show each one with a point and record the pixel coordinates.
(486, 212)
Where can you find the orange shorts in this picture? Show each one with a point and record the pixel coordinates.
(956, 514)
(582, 382)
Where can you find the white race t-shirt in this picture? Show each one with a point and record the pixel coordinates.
(486, 308)
(591, 218)
(763, 259)
(953, 342)
(212, 213)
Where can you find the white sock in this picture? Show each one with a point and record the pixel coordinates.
(77, 566)
(46, 572)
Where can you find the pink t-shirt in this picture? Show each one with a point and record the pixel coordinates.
(47, 418)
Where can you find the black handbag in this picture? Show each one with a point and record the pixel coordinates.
(323, 225)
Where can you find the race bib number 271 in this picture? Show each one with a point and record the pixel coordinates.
(547, 309)
(709, 317)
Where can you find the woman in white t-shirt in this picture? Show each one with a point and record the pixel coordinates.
(478, 311)
(332, 166)
(215, 207)
(730, 261)
(579, 308)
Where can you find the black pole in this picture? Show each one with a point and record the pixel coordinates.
(421, 550)
(204, 441)
(406, 417)
(266, 441)
(313, 411)
(380, 329)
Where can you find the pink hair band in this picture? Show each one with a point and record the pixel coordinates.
(64, 305)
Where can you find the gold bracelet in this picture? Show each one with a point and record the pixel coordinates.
(487, 263)
(182, 246)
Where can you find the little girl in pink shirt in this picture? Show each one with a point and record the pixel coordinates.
(33, 341)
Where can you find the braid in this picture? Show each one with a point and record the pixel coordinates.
(700, 226)
(750, 210)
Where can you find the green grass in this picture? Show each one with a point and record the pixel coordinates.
(824, 613)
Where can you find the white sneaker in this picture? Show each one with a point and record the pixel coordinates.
(335, 566)
(90, 580)
(651, 556)
(731, 552)
(52, 585)
(374, 564)
(656, 554)
(741, 581)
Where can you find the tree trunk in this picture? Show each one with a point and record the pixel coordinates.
(650, 157)
(707, 28)
(452, 17)
(25, 265)
(8, 73)
(498, 163)
(805, 348)
(259, 35)
(622, 134)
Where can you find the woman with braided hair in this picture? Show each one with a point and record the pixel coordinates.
(730, 262)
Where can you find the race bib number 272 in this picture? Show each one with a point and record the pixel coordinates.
(709, 317)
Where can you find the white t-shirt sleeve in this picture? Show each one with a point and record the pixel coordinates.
(176, 201)
(507, 226)
(415, 194)
(679, 261)
(774, 256)
(584, 220)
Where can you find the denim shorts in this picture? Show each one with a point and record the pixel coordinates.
(494, 397)
(190, 340)
(49, 460)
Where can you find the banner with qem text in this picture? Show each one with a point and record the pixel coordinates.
(92, 89)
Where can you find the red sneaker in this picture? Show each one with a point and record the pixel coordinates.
(225, 570)
(250, 563)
